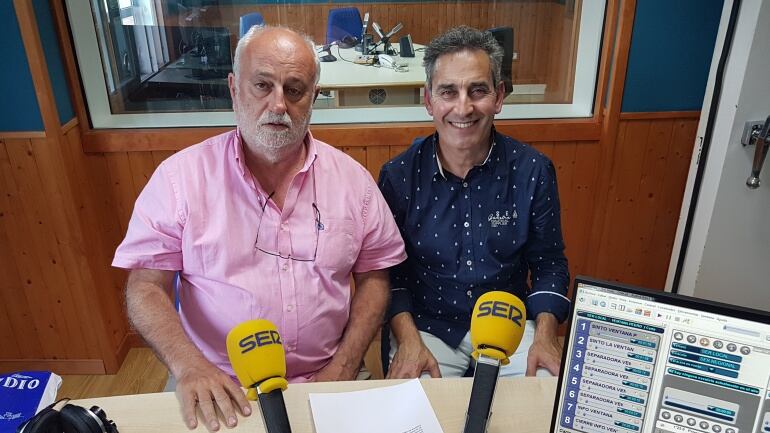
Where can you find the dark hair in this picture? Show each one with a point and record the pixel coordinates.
(463, 38)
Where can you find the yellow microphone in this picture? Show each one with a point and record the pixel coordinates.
(256, 354)
(497, 325)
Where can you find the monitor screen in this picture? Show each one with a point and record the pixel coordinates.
(638, 361)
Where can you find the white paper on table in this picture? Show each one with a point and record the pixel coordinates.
(402, 408)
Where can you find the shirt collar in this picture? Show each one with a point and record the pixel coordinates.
(439, 169)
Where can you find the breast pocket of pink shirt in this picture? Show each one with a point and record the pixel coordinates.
(335, 245)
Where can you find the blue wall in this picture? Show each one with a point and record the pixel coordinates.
(53, 58)
(18, 105)
(671, 49)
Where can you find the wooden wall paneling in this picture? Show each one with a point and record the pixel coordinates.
(545, 147)
(569, 45)
(669, 200)
(559, 67)
(357, 153)
(620, 208)
(376, 156)
(474, 14)
(73, 279)
(528, 53)
(609, 136)
(544, 22)
(563, 157)
(484, 10)
(160, 156)
(427, 26)
(121, 185)
(90, 180)
(142, 167)
(514, 19)
(9, 285)
(34, 242)
(645, 202)
(296, 14)
(583, 205)
(442, 12)
(13, 308)
(394, 17)
(397, 150)
(353, 135)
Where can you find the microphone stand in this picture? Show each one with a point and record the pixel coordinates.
(273, 410)
(482, 394)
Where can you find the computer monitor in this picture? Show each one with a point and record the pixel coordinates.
(640, 361)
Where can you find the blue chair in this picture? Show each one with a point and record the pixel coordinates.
(343, 22)
(250, 20)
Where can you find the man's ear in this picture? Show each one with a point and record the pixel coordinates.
(426, 100)
(317, 92)
(500, 96)
(231, 84)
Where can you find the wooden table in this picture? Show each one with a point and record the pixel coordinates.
(523, 405)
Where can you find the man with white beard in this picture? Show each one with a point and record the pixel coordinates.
(260, 222)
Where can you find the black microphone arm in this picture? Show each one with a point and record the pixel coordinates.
(273, 410)
(482, 394)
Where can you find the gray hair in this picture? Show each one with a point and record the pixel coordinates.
(255, 31)
(463, 38)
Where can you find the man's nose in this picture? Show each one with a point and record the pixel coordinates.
(464, 105)
(278, 101)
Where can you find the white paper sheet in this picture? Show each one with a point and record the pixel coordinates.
(402, 408)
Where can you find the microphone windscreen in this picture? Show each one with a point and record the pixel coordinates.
(256, 354)
(497, 325)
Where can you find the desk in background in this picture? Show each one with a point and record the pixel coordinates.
(357, 85)
(523, 405)
(367, 85)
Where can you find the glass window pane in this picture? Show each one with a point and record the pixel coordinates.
(174, 56)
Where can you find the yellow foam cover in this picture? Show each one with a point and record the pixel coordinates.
(497, 325)
(256, 354)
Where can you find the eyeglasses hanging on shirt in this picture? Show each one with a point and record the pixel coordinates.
(317, 225)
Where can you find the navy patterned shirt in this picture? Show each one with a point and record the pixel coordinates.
(465, 237)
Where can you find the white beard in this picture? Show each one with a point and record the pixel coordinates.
(272, 145)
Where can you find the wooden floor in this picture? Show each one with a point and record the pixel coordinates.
(140, 373)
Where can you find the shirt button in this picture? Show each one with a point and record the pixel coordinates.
(469, 263)
(465, 184)
(285, 267)
(469, 293)
(284, 226)
(467, 224)
(289, 308)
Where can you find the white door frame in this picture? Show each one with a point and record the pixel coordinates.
(694, 219)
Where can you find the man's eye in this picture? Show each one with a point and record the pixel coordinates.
(480, 91)
(261, 85)
(293, 92)
(447, 93)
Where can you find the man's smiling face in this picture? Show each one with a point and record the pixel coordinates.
(463, 100)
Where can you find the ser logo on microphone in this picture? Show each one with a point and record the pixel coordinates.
(500, 309)
(261, 338)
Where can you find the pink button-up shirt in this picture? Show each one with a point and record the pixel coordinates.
(199, 214)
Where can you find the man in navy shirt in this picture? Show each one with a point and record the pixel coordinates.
(478, 211)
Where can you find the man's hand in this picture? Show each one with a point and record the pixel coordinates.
(411, 360)
(208, 387)
(333, 372)
(545, 351)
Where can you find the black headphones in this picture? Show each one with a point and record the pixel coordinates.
(62, 417)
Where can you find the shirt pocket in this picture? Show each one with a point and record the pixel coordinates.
(335, 245)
